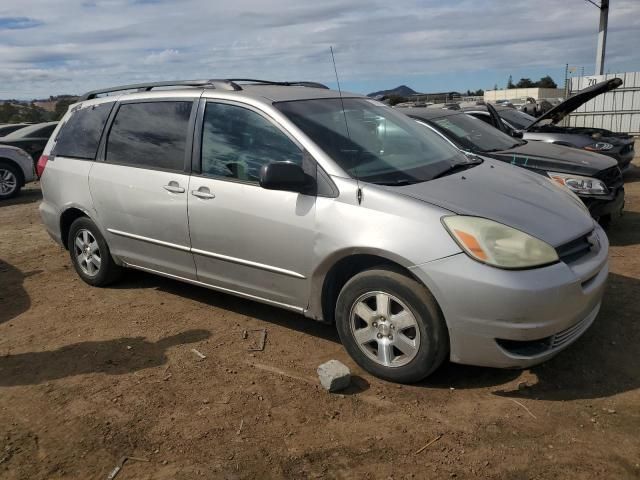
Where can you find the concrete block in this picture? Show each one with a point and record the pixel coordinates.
(334, 375)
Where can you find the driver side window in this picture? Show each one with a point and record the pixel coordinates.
(237, 142)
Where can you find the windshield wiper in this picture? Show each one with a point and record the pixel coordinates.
(458, 167)
(396, 183)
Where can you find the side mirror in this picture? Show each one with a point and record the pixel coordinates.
(516, 133)
(285, 176)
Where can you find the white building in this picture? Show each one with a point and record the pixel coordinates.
(521, 93)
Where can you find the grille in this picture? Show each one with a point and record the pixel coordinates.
(575, 249)
(565, 336)
(531, 348)
(612, 177)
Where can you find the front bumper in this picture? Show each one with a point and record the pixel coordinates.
(605, 205)
(623, 154)
(515, 319)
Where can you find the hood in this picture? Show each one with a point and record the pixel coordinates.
(555, 158)
(560, 111)
(509, 195)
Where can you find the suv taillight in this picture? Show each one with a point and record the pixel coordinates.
(42, 162)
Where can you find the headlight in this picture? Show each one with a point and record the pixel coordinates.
(579, 184)
(599, 147)
(499, 245)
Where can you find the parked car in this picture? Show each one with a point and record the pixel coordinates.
(7, 128)
(31, 139)
(544, 128)
(16, 169)
(526, 105)
(333, 206)
(595, 178)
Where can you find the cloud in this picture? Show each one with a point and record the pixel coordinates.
(165, 56)
(428, 43)
(18, 23)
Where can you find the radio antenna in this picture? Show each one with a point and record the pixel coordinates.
(344, 113)
(346, 123)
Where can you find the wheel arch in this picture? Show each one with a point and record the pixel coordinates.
(332, 274)
(13, 163)
(67, 217)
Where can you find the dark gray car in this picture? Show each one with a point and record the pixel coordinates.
(596, 179)
(546, 129)
(31, 138)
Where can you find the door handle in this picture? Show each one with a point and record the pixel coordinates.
(203, 192)
(173, 187)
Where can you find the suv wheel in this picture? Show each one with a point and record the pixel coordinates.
(391, 326)
(9, 181)
(90, 254)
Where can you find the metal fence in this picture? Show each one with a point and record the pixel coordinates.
(618, 110)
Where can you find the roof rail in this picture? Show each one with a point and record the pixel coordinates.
(145, 87)
(222, 84)
(302, 83)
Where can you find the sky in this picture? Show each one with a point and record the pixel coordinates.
(51, 47)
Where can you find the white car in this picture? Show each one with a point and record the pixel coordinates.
(16, 169)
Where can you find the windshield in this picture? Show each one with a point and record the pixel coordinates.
(377, 144)
(472, 133)
(518, 119)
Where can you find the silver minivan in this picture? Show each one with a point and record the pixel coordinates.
(334, 206)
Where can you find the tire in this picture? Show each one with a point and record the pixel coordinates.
(90, 254)
(10, 181)
(390, 349)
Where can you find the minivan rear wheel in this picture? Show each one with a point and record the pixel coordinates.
(391, 325)
(90, 254)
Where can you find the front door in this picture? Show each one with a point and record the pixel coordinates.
(247, 239)
(140, 189)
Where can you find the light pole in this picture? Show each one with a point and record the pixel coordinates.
(602, 34)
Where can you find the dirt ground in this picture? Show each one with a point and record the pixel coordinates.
(88, 376)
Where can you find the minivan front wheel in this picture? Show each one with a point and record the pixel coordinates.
(391, 325)
(90, 254)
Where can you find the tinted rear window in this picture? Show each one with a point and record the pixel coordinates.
(80, 136)
(152, 134)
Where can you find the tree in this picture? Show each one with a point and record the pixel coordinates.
(34, 114)
(395, 99)
(525, 83)
(510, 82)
(546, 82)
(8, 112)
(62, 106)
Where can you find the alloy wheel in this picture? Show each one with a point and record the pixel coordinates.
(87, 252)
(384, 329)
(8, 182)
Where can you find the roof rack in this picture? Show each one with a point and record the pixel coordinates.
(222, 84)
(145, 87)
(302, 83)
